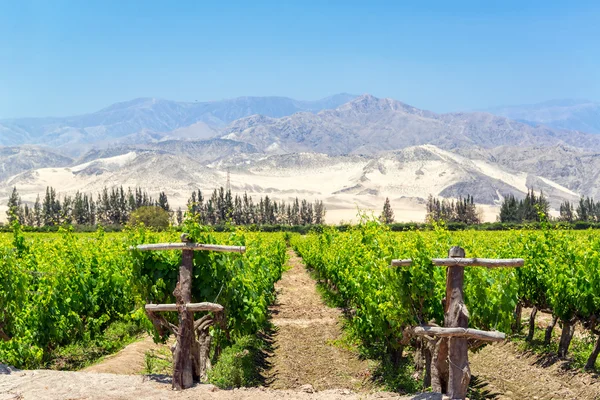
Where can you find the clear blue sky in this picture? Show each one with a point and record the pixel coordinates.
(69, 57)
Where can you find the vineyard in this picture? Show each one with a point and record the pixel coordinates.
(561, 276)
(60, 289)
(64, 290)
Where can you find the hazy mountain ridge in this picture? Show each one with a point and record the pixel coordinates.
(368, 125)
(149, 115)
(577, 115)
(14, 160)
(413, 172)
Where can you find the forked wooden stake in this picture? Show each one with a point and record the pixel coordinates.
(450, 373)
(190, 354)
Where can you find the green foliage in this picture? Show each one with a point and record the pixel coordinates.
(83, 353)
(355, 267)
(151, 216)
(462, 211)
(397, 377)
(66, 298)
(387, 215)
(61, 291)
(237, 365)
(561, 273)
(242, 283)
(525, 210)
(158, 361)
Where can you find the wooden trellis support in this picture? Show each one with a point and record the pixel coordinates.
(191, 351)
(450, 362)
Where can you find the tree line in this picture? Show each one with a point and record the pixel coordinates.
(587, 210)
(529, 209)
(118, 206)
(221, 207)
(111, 207)
(462, 210)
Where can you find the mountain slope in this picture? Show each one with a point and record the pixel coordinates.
(368, 125)
(411, 173)
(15, 160)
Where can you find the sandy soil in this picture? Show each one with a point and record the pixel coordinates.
(304, 343)
(512, 375)
(129, 361)
(59, 385)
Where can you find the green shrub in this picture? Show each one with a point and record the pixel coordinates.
(153, 217)
(236, 366)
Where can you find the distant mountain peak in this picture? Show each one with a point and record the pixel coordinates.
(140, 102)
(368, 103)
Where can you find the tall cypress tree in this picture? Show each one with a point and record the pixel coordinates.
(14, 207)
(387, 215)
(163, 202)
(37, 212)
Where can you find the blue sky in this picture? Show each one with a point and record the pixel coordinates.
(69, 57)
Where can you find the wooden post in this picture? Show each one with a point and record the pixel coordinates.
(190, 356)
(183, 377)
(450, 373)
(459, 374)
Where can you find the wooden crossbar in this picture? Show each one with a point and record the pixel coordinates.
(478, 262)
(190, 246)
(490, 336)
(402, 263)
(466, 262)
(193, 307)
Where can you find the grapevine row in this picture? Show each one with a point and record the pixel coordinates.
(66, 288)
(561, 275)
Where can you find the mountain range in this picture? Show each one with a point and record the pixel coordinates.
(149, 119)
(346, 150)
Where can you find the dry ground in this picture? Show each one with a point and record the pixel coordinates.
(512, 375)
(129, 361)
(304, 343)
(59, 385)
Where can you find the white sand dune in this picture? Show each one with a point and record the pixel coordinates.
(343, 183)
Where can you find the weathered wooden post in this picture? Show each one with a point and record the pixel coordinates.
(456, 316)
(190, 359)
(183, 363)
(450, 362)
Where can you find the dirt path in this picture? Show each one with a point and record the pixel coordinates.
(304, 343)
(61, 385)
(129, 361)
(513, 375)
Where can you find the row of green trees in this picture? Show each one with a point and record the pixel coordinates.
(118, 206)
(111, 207)
(462, 210)
(529, 209)
(532, 207)
(222, 207)
(587, 210)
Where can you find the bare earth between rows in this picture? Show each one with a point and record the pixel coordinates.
(305, 350)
